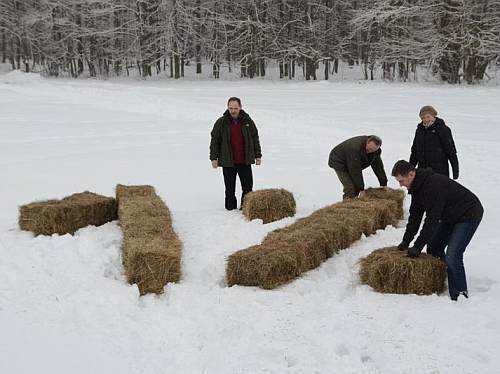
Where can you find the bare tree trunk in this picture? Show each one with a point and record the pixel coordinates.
(4, 48)
(176, 66)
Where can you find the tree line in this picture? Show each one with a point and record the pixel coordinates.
(455, 39)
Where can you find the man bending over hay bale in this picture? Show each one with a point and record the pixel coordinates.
(67, 215)
(269, 205)
(452, 215)
(151, 248)
(350, 157)
(388, 270)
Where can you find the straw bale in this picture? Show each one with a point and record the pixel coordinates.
(396, 195)
(151, 249)
(269, 205)
(389, 270)
(136, 191)
(67, 215)
(151, 264)
(288, 252)
(269, 266)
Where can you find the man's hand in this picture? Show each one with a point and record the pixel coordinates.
(387, 189)
(258, 161)
(215, 164)
(362, 193)
(413, 252)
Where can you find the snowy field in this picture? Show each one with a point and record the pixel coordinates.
(65, 306)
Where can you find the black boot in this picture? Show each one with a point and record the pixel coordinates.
(231, 203)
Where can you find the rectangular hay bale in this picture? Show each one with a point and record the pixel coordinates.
(67, 215)
(151, 249)
(288, 252)
(269, 205)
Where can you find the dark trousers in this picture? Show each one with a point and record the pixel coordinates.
(350, 191)
(244, 172)
(456, 237)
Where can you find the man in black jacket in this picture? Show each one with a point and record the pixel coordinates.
(235, 146)
(452, 215)
(433, 145)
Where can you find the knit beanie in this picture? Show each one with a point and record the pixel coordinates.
(427, 109)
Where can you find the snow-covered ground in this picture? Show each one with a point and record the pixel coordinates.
(65, 306)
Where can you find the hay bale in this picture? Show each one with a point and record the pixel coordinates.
(389, 270)
(67, 215)
(151, 249)
(288, 252)
(269, 205)
(396, 195)
(123, 191)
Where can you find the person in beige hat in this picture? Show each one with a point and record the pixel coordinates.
(433, 145)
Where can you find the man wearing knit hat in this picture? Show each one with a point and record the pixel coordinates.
(433, 146)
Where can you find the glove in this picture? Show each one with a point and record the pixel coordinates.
(455, 174)
(403, 246)
(413, 252)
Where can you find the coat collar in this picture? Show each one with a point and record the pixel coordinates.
(437, 122)
(242, 115)
(420, 178)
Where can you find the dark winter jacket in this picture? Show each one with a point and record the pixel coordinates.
(220, 145)
(351, 156)
(433, 147)
(441, 199)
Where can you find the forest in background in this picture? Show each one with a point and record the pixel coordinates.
(455, 40)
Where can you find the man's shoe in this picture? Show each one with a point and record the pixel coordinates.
(455, 296)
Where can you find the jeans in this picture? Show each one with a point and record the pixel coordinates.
(246, 179)
(456, 236)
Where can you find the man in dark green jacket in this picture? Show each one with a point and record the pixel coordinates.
(235, 146)
(350, 157)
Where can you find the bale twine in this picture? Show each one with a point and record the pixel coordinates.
(151, 248)
(389, 270)
(269, 205)
(67, 215)
(288, 252)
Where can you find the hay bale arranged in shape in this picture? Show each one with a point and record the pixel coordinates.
(397, 195)
(288, 252)
(151, 248)
(269, 205)
(389, 270)
(67, 215)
